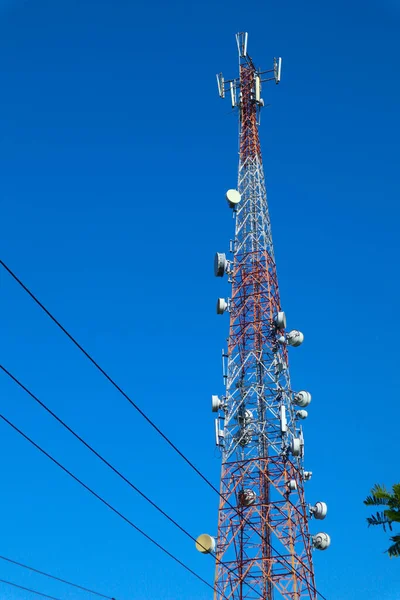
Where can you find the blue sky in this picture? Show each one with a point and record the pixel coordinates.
(115, 154)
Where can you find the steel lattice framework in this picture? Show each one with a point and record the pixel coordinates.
(263, 549)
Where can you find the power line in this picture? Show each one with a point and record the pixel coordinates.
(75, 585)
(151, 423)
(103, 501)
(21, 587)
(110, 466)
(97, 454)
(108, 377)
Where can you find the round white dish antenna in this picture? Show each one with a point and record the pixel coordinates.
(319, 510)
(302, 414)
(216, 403)
(205, 543)
(295, 446)
(292, 485)
(246, 418)
(244, 438)
(247, 497)
(222, 306)
(233, 198)
(219, 264)
(302, 398)
(280, 321)
(321, 541)
(295, 338)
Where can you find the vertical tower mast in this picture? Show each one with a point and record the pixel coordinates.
(263, 547)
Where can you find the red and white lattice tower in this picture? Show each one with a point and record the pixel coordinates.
(263, 547)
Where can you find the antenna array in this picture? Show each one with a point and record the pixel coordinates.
(263, 541)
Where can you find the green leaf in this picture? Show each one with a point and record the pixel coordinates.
(379, 519)
(395, 500)
(380, 496)
(393, 515)
(396, 492)
(394, 550)
(373, 501)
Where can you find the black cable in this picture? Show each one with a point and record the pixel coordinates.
(21, 587)
(75, 585)
(103, 501)
(99, 456)
(114, 469)
(151, 423)
(109, 378)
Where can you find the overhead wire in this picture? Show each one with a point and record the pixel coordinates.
(105, 502)
(152, 424)
(75, 585)
(109, 378)
(25, 589)
(110, 466)
(97, 454)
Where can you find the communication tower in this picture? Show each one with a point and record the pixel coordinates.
(263, 548)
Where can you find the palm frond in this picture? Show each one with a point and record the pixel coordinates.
(393, 515)
(394, 550)
(396, 495)
(379, 496)
(375, 501)
(379, 519)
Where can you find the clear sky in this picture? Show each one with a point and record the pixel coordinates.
(115, 154)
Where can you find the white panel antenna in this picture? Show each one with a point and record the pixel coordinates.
(258, 88)
(224, 357)
(283, 419)
(301, 437)
(241, 40)
(219, 434)
(233, 93)
(221, 85)
(277, 69)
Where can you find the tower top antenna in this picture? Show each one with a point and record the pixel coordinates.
(241, 40)
(258, 76)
